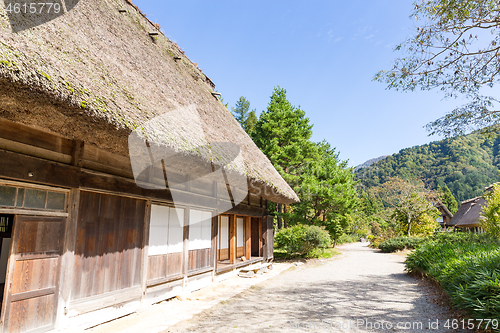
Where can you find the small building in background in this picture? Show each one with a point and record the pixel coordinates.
(468, 215)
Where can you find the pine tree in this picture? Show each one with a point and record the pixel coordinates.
(243, 115)
(282, 133)
(447, 198)
(250, 122)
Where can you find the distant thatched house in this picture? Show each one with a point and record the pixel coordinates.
(90, 228)
(468, 215)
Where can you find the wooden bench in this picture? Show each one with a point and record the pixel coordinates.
(249, 272)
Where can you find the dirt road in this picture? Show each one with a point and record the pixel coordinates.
(360, 291)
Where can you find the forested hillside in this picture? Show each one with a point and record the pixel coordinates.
(466, 164)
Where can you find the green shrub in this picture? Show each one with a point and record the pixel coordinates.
(467, 266)
(399, 244)
(301, 239)
(490, 218)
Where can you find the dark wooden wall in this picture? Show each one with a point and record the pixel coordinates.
(256, 237)
(109, 244)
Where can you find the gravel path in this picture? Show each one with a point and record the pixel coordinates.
(360, 291)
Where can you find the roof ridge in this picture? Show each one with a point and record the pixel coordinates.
(158, 28)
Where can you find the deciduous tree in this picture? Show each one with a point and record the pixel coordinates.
(491, 212)
(409, 199)
(455, 48)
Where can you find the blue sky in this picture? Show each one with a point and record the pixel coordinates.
(324, 53)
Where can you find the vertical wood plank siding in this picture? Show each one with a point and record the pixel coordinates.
(109, 244)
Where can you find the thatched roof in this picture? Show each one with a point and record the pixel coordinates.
(443, 209)
(97, 74)
(468, 214)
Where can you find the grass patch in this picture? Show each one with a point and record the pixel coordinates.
(400, 244)
(323, 253)
(467, 266)
(318, 253)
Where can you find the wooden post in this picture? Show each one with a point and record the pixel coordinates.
(232, 238)
(280, 219)
(185, 248)
(261, 253)
(269, 238)
(77, 153)
(215, 234)
(68, 258)
(145, 245)
(248, 237)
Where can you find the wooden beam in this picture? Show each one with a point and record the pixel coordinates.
(248, 237)
(32, 294)
(19, 167)
(102, 160)
(29, 150)
(232, 238)
(32, 212)
(101, 301)
(246, 210)
(35, 137)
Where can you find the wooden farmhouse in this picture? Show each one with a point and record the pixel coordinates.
(468, 215)
(123, 178)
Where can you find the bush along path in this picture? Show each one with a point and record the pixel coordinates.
(467, 266)
(362, 290)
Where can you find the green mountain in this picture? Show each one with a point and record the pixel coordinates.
(371, 161)
(466, 164)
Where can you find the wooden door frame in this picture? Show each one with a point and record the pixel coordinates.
(13, 258)
(219, 239)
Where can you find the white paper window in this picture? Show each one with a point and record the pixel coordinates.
(224, 232)
(200, 229)
(176, 230)
(166, 230)
(239, 232)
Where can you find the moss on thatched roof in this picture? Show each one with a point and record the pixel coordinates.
(100, 62)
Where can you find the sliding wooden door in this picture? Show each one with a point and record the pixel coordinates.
(31, 293)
